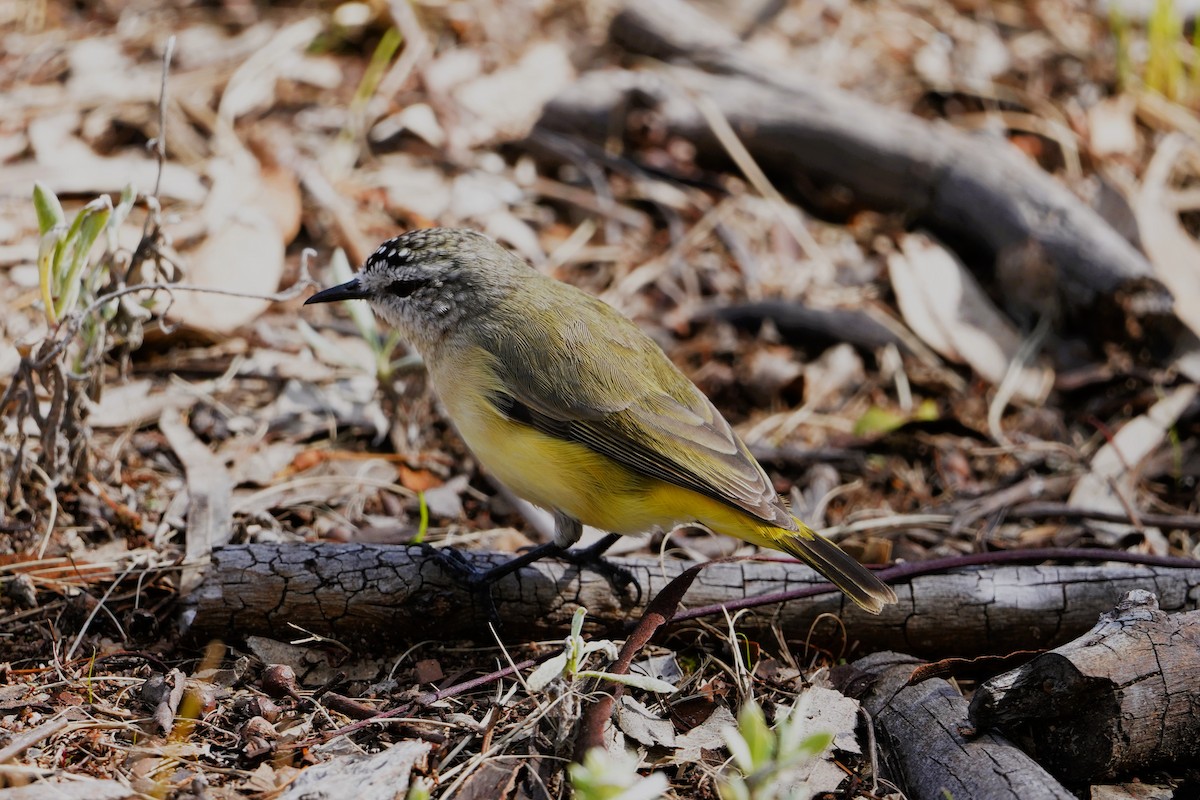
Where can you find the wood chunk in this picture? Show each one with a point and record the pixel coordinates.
(1122, 697)
(368, 596)
(928, 750)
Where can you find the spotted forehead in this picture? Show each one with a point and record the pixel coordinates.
(420, 244)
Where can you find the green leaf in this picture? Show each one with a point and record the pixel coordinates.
(636, 681)
(546, 672)
(739, 748)
(752, 724)
(815, 744)
(606, 775)
(577, 622)
(50, 247)
(87, 227)
(49, 211)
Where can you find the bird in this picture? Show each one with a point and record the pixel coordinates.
(574, 408)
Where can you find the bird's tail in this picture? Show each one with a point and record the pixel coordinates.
(858, 582)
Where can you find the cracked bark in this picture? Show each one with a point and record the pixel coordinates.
(1125, 696)
(375, 596)
(928, 751)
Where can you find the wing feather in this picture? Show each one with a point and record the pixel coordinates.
(597, 380)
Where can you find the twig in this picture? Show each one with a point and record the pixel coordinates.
(160, 141)
(416, 47)
(21, 743)
(661, 610)
(87, 622)
(1048, 510)
(789, 215)
(430, 698)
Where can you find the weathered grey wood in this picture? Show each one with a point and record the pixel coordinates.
(1123, 697)
(971, 188)
(377, 595)
(921, 731)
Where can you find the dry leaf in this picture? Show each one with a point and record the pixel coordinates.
(1111, 480)
(947, 309)
(382, 776)
(419, 480)
(507, 102)
(243, 252)
(1173, 252)
(1111, 127)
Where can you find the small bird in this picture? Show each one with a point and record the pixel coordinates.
(574, 408)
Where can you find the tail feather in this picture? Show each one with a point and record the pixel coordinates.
(858, 582)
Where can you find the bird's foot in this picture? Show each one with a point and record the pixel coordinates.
(592, 557)
(480, 581)
(475, 579)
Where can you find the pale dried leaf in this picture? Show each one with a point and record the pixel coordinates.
(1173, 252)
(135, 404)
(945, 307)
(69, 787)
(101, 73)
(445, 501)
(833, 712)
(243, 252)
(382, 776)
(259, 463)
(419, 119)
(643, 725)
(507, 102)
(1112, 475)
(837, 373)
(253, 85)
(412, 187)
(101, 175)
(303, 409)
(705, 736)
(210, 488)
(1112, 129)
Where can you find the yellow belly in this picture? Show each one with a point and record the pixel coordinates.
(560, 475)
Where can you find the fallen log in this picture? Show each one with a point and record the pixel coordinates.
(1122, 697)
(927, 751)
(974, 191)
(370, 596)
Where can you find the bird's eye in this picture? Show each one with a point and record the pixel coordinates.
(405, 286)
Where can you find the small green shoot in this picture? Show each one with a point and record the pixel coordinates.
(376, 69)
(64, 252)
(877, 421)
(423, 527)
(1167, 51)
(1164, 65)
(570, 663)
(420, 789)
(607, 775)
(766, 760)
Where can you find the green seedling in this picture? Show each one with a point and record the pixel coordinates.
(569, 664)
(765, 759)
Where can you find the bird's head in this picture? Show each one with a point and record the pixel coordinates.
(426, 282)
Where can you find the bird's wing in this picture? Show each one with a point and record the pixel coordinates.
(637, 408)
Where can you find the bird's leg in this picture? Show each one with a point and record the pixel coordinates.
(592, 557)
(567, 531)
